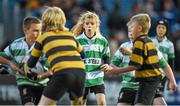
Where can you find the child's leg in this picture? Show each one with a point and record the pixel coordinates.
(159, 101)
(101, 99)
(46, 101)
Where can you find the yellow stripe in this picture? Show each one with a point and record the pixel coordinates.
(152, 59)
(54, 43)
(139, 45)
(136, 58)
(45, 35)
(79, 48)
(64, 65)
(150, 46)
(35, 52)
(63, 53)
(147, 73)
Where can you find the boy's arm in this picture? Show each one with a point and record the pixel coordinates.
(170, 75)
(123, 70)
(35, 54)
(12, 65)
(116, 70)
(80, 49)
(168, 71)
(45, 75)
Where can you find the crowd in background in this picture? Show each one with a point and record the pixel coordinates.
(114, 15)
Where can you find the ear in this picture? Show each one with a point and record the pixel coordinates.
(24, 30)
(140, 28)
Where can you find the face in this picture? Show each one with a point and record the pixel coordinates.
(133, 30)
(32, 33)
(90, 26)
(130, 35)
(161, 30)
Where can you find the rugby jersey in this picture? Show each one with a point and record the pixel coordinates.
(122, 60)
(61, 49)
(144, 57)
(95, 49)
(166, 47)
(16, 52)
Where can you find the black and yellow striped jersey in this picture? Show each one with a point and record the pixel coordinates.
(61, 49)
(144, 57)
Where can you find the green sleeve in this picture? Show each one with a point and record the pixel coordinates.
(116, 61)
(162, 63)
(5, 56)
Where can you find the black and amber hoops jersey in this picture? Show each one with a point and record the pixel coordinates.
(61, 49)
(144, 57)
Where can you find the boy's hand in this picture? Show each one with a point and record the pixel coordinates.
(106, 67)
(172, 86)
(110, 70)
(16, 69)
(32, 76)
(125, 51)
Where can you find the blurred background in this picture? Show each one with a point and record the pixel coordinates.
(114, 15)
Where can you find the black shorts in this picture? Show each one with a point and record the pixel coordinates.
(30, 93)
(159, 92)
(147, 91)
(161, 88)
(127, 95)
(69, 80)
(94, 89)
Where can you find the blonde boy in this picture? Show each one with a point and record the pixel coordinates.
(143, 59)
(63, 53)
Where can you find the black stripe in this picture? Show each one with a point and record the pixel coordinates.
(152, 52)
(65, 58)
(32, 61)
(60, 37)
(137, 65)
(59, 48)
(77, 43)
(143, 38)
(138, 51)
(38, 46)
(82, 54)
(75, 71)
(149, 66)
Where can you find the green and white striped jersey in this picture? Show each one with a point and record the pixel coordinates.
(95, 50)
(122, 60)
(166, 47)
(17, 51)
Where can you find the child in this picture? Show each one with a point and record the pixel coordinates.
(129, 86)
(96, 51)
(63, 53)
(164, 45)
(143, 59)
(30, 90)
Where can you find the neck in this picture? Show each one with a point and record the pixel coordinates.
(29, 43)
(90, 35)
(160, 38)
(140, 34)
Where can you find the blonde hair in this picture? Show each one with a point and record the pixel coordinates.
(78, 28)
(53, 19)
(143, 20)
